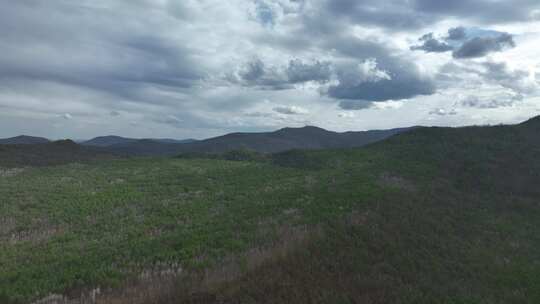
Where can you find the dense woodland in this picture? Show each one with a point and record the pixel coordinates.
(432, 215)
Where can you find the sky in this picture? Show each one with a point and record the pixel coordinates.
(202, 68)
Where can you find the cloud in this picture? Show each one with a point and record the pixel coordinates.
(194, 68)
(366, 71)
(402, 15)
(89, 58)
(432, 45)
(299, 71)
(491, 102)
(394, 14)
(355, 104)
(442, 112)
(258, 114)
(253, 71)
(348, 114)
(265, 14)
(394, 80)
(466, 43)
(256, 73)
(515, 80)
(488, 84)
(457, 33)
(496, 74)
(480, 11)
(67, 116)
(481, 46)
(171, 119)
(290, 110)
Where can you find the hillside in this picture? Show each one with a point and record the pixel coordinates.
(173, 141)
(23, 140)
(46, 154)
(118, 141)
(104, 141)
(433, 215)
(268, 142)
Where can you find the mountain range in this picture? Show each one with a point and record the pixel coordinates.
(308, 138)
(266, 142)
(107, 141)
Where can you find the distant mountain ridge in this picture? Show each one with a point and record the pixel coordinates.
(104, 141)
(305, 138)
(308, 137)
(110, 140)
(23, 140)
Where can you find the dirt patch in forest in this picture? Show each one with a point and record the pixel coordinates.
(170, 283)
(4, 172)
(395, 181)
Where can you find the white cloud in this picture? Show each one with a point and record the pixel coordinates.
(443, 112)
(291, 110)
(348, 114)
(162, 64)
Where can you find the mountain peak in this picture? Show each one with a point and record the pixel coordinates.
(109, 140)
(65, 142)
(301, 129)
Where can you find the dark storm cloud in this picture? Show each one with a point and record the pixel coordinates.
(299, 71)
(253, 71)
(481, 46)
(400, 87)
(432, 45)
(457, 33)
(381, 78)
(404, 81)
(392, 79)
(256, 73)
(466, 43)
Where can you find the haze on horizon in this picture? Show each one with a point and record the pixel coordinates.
(200, 68)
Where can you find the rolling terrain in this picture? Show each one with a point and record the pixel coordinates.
(111, 140)
(433, 215)
(269, 142)
(50, 153)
